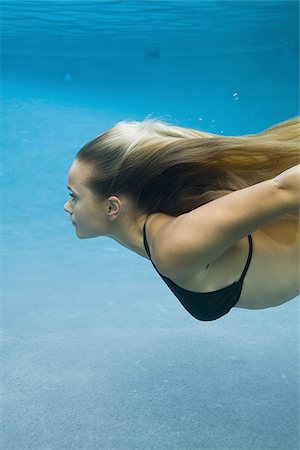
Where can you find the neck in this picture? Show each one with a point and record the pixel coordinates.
(128, 231)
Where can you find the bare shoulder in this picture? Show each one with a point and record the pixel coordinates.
(190, 242)
(165, 246)
(273, 273)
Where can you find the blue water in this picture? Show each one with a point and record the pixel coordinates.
(96, 351)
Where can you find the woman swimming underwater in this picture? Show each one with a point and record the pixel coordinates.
(218, 216)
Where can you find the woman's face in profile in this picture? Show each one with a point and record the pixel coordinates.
(86, 212)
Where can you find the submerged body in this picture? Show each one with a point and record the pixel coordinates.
(195, 205)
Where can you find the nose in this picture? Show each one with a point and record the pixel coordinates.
(66, 207)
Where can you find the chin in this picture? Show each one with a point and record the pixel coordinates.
(85, 236)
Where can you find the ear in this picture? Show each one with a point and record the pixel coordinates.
(113, 207)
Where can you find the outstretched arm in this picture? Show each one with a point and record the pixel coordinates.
(200, 236)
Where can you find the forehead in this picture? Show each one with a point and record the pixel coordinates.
(78, 173)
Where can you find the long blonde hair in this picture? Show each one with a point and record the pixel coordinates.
(171, 169)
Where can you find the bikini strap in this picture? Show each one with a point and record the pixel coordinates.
(145, 242)
(248, 259)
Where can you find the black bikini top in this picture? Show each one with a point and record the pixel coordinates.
(207, 305)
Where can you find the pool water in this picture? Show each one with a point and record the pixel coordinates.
(96, 351)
